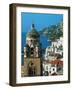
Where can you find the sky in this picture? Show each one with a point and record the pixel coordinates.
(40, 20)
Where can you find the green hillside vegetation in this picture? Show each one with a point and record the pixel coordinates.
(53, 32)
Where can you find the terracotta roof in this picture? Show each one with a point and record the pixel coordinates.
(55, 62)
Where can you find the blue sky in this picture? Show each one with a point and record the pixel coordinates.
(40, 20)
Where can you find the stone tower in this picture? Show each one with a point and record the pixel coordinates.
(32, 54)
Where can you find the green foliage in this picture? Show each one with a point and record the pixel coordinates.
(54, 31)
(60, 47)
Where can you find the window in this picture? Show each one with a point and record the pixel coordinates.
(32, 50)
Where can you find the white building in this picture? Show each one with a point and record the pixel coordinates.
(52, 67)
(58, 42)
(49, 69)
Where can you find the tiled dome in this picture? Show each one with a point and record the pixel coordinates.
(33, 33)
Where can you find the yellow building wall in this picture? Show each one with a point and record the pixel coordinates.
(36, 62)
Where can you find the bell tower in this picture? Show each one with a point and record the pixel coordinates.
(32, 54)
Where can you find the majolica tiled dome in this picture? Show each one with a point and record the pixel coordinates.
(33, 33)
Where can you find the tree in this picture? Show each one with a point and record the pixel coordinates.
(60, 29)
(54, 31)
